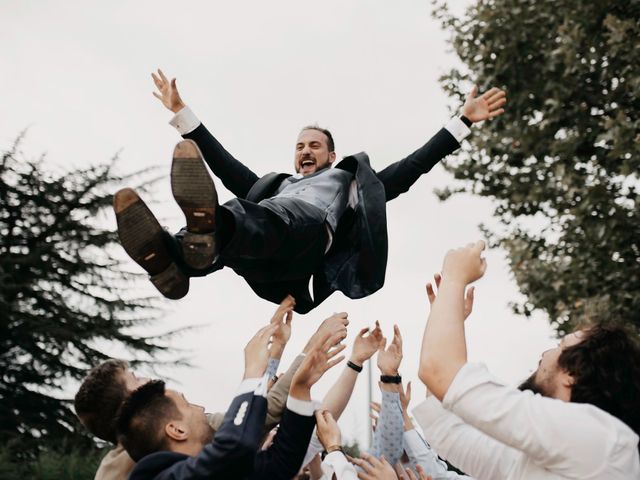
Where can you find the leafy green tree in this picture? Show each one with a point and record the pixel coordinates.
(561, 165)
(64, 297)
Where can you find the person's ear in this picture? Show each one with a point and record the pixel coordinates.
(176, 431)
(332, 157)
(567, 380)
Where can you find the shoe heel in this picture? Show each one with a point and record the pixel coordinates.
(171, 283)
(199, 250)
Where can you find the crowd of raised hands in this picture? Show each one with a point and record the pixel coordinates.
(398, 450)
(274, 430)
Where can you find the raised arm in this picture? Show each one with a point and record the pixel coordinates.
(234, 174)
(387, 439)
(283, 458)
(365, 345)
(398, 177)
(444, 349)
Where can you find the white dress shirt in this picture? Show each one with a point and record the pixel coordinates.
(420, 453)
(493, 431)
(335, 463)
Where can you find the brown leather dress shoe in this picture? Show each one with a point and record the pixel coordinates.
(142, 238)
(195, 193)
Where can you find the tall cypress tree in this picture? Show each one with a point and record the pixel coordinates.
(561, 165)
(62, 294)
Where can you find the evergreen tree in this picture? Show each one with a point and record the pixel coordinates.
(62, 294)
(562, 163)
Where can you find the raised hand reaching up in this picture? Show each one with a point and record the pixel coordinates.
(486, 106)
(316, 362)
(389, 359)
(366, 344)
(167, 92)
(468, 298)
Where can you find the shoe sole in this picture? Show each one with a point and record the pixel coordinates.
(141, 237)
(195, 193)
(193, 188)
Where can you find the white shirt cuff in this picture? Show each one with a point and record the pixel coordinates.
(336, 462)
(247, 385)
(301, 407)
(257, 385)
(457, 128)
(185, 121)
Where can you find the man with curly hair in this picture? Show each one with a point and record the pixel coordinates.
(577, 416)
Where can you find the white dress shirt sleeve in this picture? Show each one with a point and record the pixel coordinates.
(185, 121)
(457, 128)
(336, 464)
(468, 449)
(420, 453)
(558, 436)
(315, 447)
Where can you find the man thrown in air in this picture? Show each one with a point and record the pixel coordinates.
(322, 224)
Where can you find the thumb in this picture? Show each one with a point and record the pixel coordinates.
(473, 92)
(173, 83)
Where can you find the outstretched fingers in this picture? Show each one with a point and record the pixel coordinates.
(490, 93)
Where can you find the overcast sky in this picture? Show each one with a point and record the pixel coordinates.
(77, 73)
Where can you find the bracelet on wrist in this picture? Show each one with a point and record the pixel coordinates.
(466, 121)
(331, 449)
(397, 379)
(354, 366)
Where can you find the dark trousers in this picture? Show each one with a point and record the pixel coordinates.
(279, 240)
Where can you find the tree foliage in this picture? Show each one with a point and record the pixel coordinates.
(64, 299)
(562, 163)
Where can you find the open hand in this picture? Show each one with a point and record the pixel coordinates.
(256, 353)
(334, 324)
(319, 360)
(374, 468)
(468, 297)
(421, 473)
(282, 319)
(365, 345)
(389, 359)
(167, 92)
(486, 106)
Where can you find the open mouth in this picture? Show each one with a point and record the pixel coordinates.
(307, 164)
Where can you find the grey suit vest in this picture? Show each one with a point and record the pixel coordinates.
(327, 190)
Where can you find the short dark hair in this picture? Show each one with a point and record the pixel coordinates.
(142, 417)
(605, 367)
(330, 144)
(99, 397)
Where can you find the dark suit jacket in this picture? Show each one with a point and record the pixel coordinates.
(233, 454)
(356, 263)
(229, 456)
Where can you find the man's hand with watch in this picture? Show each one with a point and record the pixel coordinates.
(328, 432)
(389, 360)
(365, 345)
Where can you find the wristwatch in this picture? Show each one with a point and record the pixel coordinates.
(331, 449)
(391, 379)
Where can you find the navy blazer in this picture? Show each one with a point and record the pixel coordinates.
(233, 454)
(230, 454)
